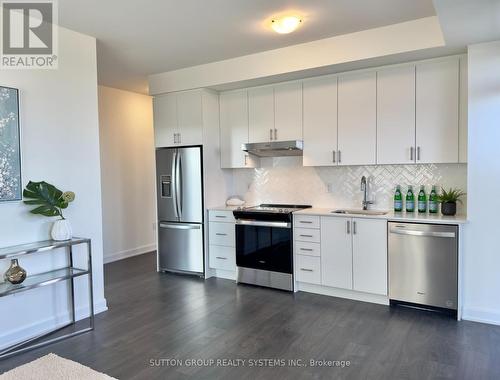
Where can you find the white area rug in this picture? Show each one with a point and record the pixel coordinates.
(53, 367)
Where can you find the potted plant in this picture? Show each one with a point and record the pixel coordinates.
(50, 201)
(449, 199)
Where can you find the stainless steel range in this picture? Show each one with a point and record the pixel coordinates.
(264, 252)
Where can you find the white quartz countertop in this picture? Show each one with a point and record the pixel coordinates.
(225, 208)
(390, 216)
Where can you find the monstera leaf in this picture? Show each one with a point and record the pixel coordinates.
(48, 199)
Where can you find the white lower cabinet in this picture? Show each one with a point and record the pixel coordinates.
(222, 243)
(343, 252)
(369, 256)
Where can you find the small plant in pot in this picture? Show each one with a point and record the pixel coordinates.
(50, 202)
(449, 199)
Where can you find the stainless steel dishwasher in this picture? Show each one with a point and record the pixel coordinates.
(423, 265)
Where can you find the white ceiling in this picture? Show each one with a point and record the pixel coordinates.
(138, 38)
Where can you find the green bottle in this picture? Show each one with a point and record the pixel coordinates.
(398, 199)
(410, 199)
(422, 200)
(433, 203)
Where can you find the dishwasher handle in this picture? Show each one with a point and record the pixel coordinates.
(439, 234)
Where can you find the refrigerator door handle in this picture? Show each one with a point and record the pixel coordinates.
(174, 178)
(183, 226)
(178, 184)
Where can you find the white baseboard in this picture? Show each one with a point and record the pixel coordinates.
(342, 293)
(109, 258)
(489, 316)
(18, 335)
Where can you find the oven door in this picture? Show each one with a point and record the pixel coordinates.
(264, 245)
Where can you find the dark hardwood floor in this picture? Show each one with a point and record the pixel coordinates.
(162, 316)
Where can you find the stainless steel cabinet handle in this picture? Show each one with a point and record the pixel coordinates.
(179, 136)
(306, 249)
(221, 258)
(418, 153)
(309, 236)
(411, 153)
(305, 222)
(333, 154)
(340, 156)
(270, 134)
(246, 159)
(348, 227)
(219, 234)
(180, 226)
(275, 134)
(220, 216)
(354, 229)
(306, 270)
(422, 233)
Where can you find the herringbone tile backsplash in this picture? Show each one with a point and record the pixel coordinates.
(285, 180)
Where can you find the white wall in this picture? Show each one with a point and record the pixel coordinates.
(285, 180)
(482, 254)
(60, 144)
(128, 173)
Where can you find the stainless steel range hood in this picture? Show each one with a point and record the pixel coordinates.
(275, 148)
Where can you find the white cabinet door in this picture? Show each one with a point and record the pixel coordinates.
(357, 122)
(463, 115)
(336, 252)
(288, 111)
(165, 119)
(260, 114)
(233, 129)
(190, 117)
(320, 121)
(437, 111)
(369, 247)
(396, 115)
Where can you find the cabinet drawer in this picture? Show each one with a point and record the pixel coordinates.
(307, 234)
(306, 221)
(220, 216)
(222, 234)
(308, 249)
(308, 269)
(222, 257)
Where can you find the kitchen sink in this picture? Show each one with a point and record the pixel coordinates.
(360, 212)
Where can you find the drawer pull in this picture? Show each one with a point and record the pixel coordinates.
(221, 258)
(309, 236)
(220, 216)
(219, 234)
(305, 221)
(306, 270)
(306, 249)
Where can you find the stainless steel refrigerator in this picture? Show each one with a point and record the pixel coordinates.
(180, 210)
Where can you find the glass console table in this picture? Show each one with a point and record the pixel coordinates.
(68, 273)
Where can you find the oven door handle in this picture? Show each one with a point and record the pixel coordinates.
(245, 222)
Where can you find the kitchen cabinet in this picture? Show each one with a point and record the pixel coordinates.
(261, 114)
(234, 129)
(396, 115)
(369, 255)
(336, 252)
(288, 111)
(178, 119)
(222, 243)
(165, 120)
(320, 121)
(437, 101)
(357, 120)
(463, 115)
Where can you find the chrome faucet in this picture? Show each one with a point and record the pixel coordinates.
(364, 189)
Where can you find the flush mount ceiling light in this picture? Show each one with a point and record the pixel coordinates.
(284, 25)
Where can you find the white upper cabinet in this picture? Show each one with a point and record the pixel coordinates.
(369, 260)
(336, 252)
(396, 115)
(288, 111)
(357, 121)
(437, 89)
(190, 117)
(261, 114)
(320, 121)
(165, 120)
(234, 129)
(463, 122)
